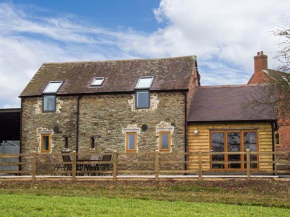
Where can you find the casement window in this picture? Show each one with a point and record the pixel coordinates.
(131, 142)
(233, 141)
(142, 99)
(142, 95)
(45, 143)
(98, 81)
(164, 141)
(48, 104)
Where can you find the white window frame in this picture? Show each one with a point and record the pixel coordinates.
(98, 78)
(44, 91)
(144, 77)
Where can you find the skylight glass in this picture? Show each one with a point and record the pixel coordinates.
(52, 87)
(98, 81)
(144, 82)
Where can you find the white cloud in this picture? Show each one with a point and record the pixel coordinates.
(224, 34)
(233, 31)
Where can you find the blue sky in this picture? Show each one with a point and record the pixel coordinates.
(223, 34)
(136, 14)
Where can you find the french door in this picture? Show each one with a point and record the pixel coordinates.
(233, 141)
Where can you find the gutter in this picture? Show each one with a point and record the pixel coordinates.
(78, 127)
(185, 128)
(20, 142)
(107, 93)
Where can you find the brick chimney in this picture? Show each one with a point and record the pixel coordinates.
(261, 63)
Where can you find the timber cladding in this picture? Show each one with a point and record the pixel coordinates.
(202, 141)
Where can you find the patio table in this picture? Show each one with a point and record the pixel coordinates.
(91, 165)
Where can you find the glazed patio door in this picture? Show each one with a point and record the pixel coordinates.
(218, 145)
(233, 141)
(234, 145)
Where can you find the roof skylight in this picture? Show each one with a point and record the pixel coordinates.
(144, 82)
(52, 87)
(98, 81)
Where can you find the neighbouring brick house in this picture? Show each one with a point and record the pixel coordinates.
(102, 106)
(260, 76)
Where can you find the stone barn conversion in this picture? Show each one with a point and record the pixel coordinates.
(140, 106)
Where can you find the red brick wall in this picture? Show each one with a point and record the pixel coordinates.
(284, 134)
(259, 78)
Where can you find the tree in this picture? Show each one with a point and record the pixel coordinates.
(283, 55)
(276, 93)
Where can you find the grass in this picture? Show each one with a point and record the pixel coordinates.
(128, 198)
(33, 205)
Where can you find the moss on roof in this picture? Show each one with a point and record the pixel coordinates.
(120, 75)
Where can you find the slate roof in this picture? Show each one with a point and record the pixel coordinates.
(6, 110)
(229, 103)
(121, 75)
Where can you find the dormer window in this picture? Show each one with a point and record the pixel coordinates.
(98, 81)
(142, 92)
(52, 87)
(144, 82)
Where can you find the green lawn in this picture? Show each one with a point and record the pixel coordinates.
(133, 198)
(33, 205)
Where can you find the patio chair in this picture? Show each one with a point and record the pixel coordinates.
(66, 159)
(103, 167)
(57, 166)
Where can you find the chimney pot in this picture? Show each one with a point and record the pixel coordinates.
(261, 52)
(258, 53)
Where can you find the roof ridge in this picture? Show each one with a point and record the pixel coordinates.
(228, 86)
(123, 60)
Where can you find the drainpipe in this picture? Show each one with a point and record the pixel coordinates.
(20, 142)
(78, 120)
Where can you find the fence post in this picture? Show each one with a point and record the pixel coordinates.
(115, 166)
(74, 165)
(34, 159)
(200, 165)
(156, 165)
(248, 158)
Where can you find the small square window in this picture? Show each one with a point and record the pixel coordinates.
(131, 142)
(45, 143)
(48, 104)
(53, 87)
(144, 82)
(142, 99)
(98, 81)
(164, 141)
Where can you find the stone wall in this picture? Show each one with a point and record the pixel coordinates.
(106, 118)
